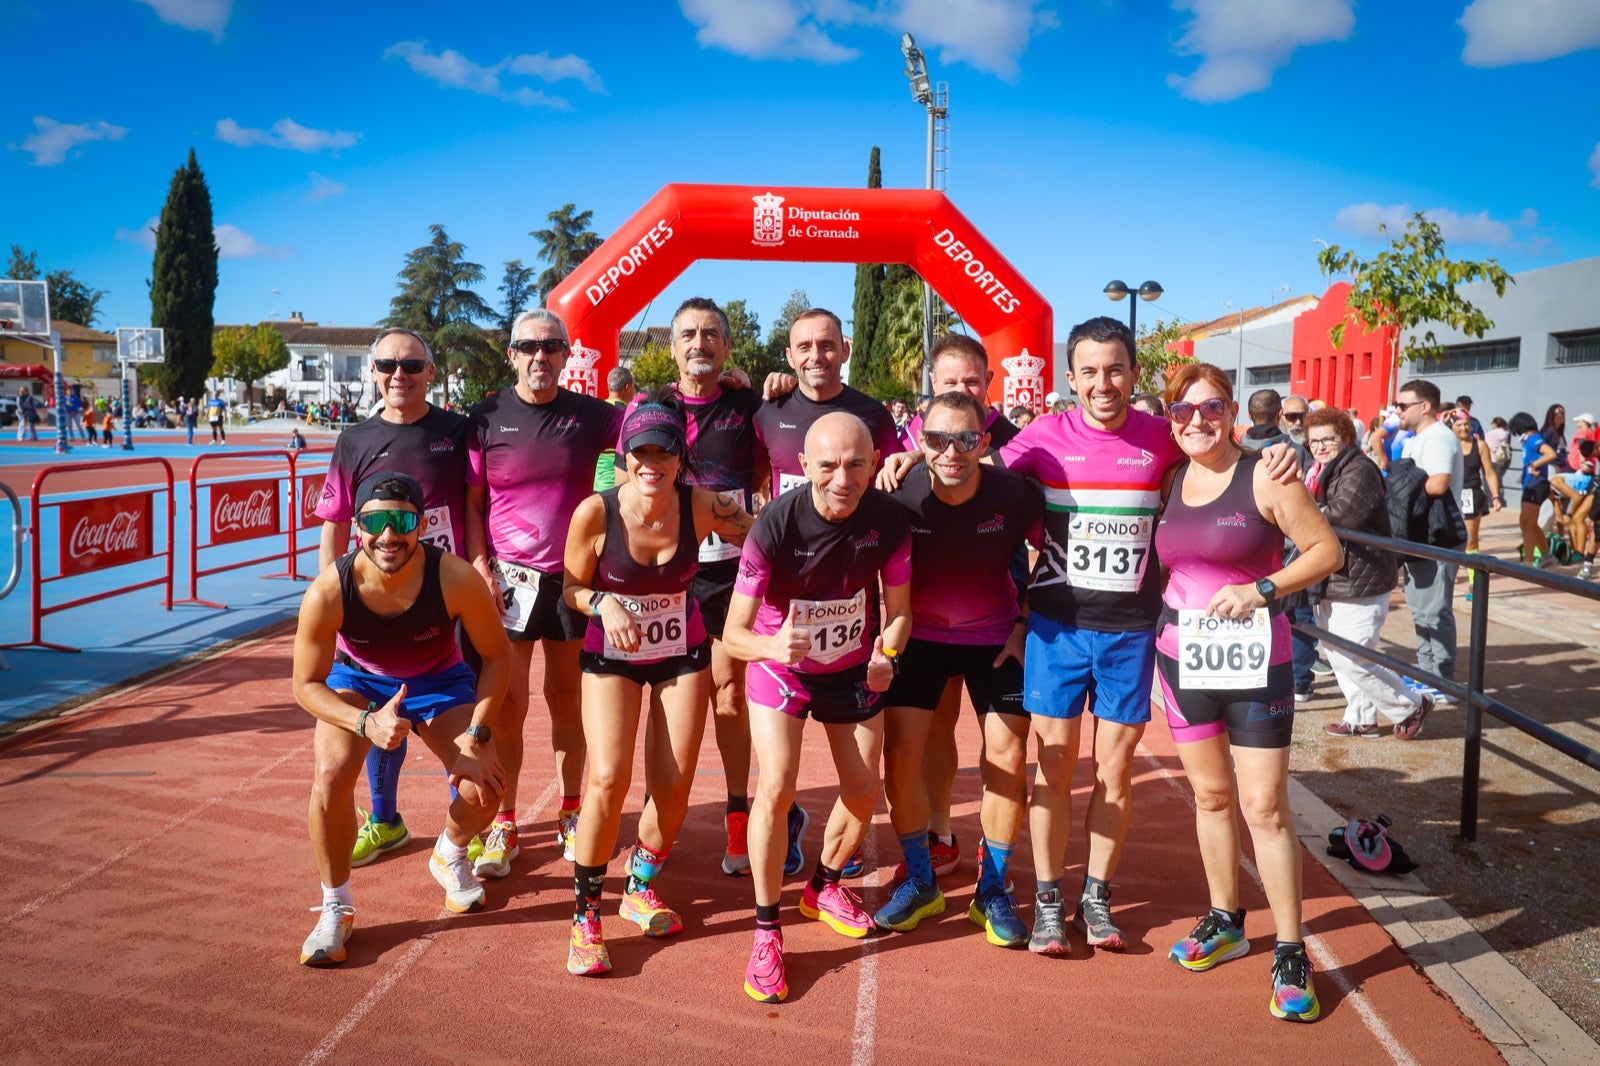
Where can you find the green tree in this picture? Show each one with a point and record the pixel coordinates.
(248, 355)
(24, 266)
(70, 299)
(900, 333)
(1156, 360)
(1411, 282)
(436, 300)
(516, 285)
(777, 347)
(654, 367)
(865, 366)
(484, 370)
(745, 349)
(183, 284)
(567, 242)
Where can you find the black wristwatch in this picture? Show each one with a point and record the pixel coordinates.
(480, 733)
(1268, 590)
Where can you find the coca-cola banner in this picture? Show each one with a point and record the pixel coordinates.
(105, 532)
(241, 510)
(310, 492)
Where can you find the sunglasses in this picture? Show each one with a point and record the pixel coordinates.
(410, 366)
(1402, 408)
(549, 346)
(1211, 410)
(402, 522)
(1296, 417)
(965, 441)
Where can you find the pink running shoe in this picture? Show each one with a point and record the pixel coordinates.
(839, 908)
(764, 978)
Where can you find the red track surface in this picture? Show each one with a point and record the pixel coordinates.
(158, 879)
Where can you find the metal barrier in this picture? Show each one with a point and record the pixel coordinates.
(18, 532)
(1471, 695)
(250, 516)
(106, 532)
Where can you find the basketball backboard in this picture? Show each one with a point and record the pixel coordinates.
(141, 344)
(24, 308)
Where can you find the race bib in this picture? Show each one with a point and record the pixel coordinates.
(789, 481)
(1108, 552)
(1215, 652)
(1466, 503)
(662, 621)
(519, 589)
(436, 529)
(836, 625)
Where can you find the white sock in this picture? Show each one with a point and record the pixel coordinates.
(338, 895)
(447, 849)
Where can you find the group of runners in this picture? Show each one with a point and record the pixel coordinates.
(871, 586)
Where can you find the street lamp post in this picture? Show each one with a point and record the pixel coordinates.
(1150, 290)
(922, 92)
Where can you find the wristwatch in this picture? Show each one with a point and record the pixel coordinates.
(480, 733)
(594, 601)
(1268, 590)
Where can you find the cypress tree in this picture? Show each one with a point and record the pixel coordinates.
(183, 287)
(864, 355)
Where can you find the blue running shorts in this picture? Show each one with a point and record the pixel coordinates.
(426, 696)
(1065, 664)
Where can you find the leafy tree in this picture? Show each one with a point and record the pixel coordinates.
(24, 266)
(567, 242)
(70, 299)
(248, 355)
(484, 370)
(777, 346)
(183, 285)
(517, 286)
(900, 333)
(1156, 360)
(1411, 282)
(864, 362)
(436, 300)
(745, 349)
(654, 366)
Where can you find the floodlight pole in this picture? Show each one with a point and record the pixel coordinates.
(922, 91)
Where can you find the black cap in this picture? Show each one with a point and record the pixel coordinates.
(390, 485)
(652, 423)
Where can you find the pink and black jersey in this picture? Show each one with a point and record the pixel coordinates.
(658, 595)
(781, 427)
(419, 640)
(1001, 431)
(432, 449)
(537, 463)
(830, 569)
(962, 591)
(1102, 492)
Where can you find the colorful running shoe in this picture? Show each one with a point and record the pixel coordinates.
(567, 834)
(586, 950)
(997, 914)
(838, 908)
(325, 945)
(910, 903)
(375, 837)
(794, 860)
(1049, 930)
(645, 909)
(1093, 919)
(499, 848)
(1214, 940)
(764, 978)
(736, 859)
(1294, 999)
(462, 892)
(946, 857)
(854, 865)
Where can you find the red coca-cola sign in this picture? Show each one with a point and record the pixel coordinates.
(241, 510)
(105, 532)
(310, 493)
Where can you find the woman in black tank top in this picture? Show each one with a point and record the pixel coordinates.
(1480, 485)
(631, 554)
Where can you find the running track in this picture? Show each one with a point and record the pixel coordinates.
(157, 885)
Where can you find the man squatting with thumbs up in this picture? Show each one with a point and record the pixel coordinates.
(805, 615)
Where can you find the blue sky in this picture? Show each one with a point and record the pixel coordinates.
(1205, 144)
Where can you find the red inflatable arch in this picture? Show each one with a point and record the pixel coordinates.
(685, 223)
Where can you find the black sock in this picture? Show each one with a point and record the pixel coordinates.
(1233, 918)
(587, 882)
(1286, 947)
(823, 875)
(766, 916)
(738, 804)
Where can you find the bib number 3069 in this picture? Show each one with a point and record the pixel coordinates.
(1223, 653)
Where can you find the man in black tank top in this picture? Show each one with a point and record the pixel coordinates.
(375, 658)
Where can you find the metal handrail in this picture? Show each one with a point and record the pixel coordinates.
(18, 532)
(1471, 694)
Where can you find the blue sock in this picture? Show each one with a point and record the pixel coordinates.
(383, 777)
(919, 864)
(992, 864)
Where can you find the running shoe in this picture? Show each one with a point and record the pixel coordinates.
(838, 908)
(1214, 940)
(325, 945)
(1302, 693)
(645, 909)
(854, 865)
(1049, 930)
(1586, 571)
(1093, 919)
(910, 903)
(586, 950)
(499, 848)
(1321, 668)
(1411, 728)
(794, 860)
(1294, 999)
(997, 914)
(946, 857)
(764, 979)
(567, 834)
(462, 892)
(1345, 729)
(736, 859)
(375, 837)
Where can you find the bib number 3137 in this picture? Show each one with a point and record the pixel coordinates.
(1227, 653)
(1107, 552)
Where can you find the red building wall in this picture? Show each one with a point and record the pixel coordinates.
(1358, 374)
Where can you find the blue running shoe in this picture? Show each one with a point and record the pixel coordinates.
(997, 914)
(1214, 940)
(910, 903)
(1293, 997)
(854, 865)
(794, 859)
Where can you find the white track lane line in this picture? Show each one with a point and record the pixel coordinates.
(864, 1040)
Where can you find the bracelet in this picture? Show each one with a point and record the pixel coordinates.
(894, 660)
(361, 722)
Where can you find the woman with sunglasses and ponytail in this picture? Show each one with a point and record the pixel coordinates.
(1223, 657)
(631, 554)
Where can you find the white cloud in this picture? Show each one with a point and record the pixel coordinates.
(286, 133)
(323, 188)
(51, 140)
(144, 236)
(452, 69)
(988, 35)
(208, 15)
(1241, 42)
(772, 29)
(235, 243)
(1594, 167)
(1502, 32)
(1364, 219)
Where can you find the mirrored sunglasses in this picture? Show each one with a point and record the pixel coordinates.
(372, 523)
(965, 441)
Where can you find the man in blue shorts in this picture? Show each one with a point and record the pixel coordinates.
(376, 658)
